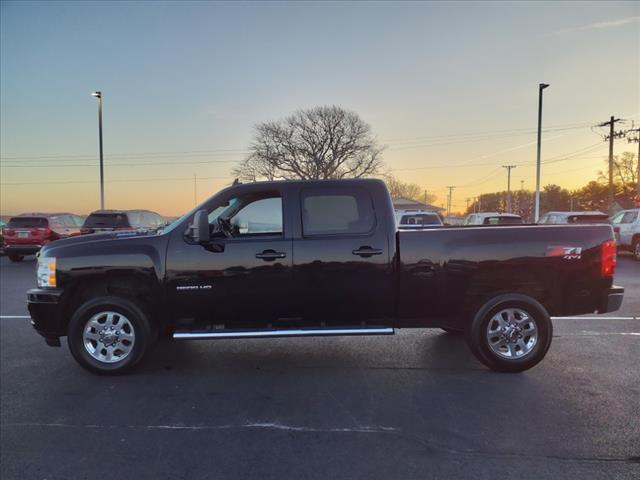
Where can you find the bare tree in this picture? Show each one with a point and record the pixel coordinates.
(411, 191)
(319, 143)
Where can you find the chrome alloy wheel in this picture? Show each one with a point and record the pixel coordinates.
(512, 333)
(109, 337)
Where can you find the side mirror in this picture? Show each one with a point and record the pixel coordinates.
(200, 227)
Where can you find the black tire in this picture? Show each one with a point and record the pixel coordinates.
(16, 258)
(135, 316)
(476, 334)
(635, 249)
(453, 331)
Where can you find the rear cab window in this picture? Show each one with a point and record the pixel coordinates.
(336, 211)
(28, 222)
(420, 219)
(106, 220)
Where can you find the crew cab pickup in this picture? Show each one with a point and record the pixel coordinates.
(305, 258)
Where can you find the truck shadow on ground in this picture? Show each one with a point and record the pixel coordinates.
(418, 349)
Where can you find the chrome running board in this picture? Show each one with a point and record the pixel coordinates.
(294, 332)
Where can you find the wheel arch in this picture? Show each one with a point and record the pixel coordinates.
(143, 289)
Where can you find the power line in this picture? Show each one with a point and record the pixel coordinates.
(124, 180)
(131, 154)
(238, 151)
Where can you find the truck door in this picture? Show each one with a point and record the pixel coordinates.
(342, 264)
(243, 276)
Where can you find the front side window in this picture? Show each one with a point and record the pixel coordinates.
(334, 211)
(249, 215)
(263, 216)
(629, 217)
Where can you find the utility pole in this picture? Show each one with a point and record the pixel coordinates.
(536, 214)
(635, 139)
(425, 198)
(612, 134)
(98, 95)
(195, 190)
(508, 167)
(449, 200)
(467, 205)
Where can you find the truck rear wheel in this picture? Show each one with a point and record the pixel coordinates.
(510, 333)
(109, 334)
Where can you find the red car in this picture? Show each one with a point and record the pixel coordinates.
(27, 233)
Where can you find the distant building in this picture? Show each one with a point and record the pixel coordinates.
(406, 204)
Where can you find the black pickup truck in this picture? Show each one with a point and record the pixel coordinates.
(303, 258)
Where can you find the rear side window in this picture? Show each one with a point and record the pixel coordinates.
(337, 211)
(28, 222)
(106, 220)
(57, 221)
(135, 219)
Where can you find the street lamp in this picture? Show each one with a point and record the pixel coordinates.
(98, 95)
(536, 215)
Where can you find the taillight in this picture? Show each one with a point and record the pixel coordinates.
(8, 232)
(608, 258)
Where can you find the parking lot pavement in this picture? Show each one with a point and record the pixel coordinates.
(415, 405)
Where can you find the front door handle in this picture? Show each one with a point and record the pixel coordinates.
(367, 251)
(270, 255)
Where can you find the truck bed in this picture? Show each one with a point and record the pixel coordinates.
(451, 271)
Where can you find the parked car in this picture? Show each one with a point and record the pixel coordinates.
(325, 259)
(493, 218)
(28, 232)
(417, 220)
(2, 225)
(626, 225)
(562, 218)
(109, 220)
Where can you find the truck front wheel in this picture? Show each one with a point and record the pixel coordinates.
(510, 333)
(109, 334)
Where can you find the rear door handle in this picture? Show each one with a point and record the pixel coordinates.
(367, 251)
(270, 255)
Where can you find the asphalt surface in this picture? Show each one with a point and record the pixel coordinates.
(414, 405)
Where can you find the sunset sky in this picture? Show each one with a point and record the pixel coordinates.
(450, 88)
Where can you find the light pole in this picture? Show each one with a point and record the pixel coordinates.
(98, 95)
(536, 215)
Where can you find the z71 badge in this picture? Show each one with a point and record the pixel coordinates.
(567, 253)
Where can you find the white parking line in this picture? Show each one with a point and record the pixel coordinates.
(15, 316)
(595, 318)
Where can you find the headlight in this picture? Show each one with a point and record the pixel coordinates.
(46, 272)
